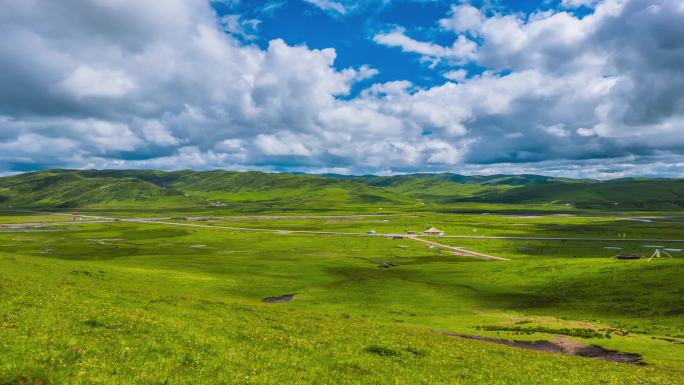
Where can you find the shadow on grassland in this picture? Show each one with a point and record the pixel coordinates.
(645, 289)
(660, 229)
(405, 286)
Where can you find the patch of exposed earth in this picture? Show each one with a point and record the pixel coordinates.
(561, 345)
(279, 299)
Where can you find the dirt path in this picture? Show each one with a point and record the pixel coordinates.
(100, 219)
(455, 250)
(157, 220)
(459, 250)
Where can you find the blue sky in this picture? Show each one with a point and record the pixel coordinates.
(351, 34)
(578, 88)
(298, 22)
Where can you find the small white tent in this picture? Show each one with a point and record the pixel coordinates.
(433, 231)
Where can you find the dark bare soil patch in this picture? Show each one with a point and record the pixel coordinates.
(279, 299)
(590, 351)
(595, 351)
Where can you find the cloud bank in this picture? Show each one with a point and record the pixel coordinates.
(89, 83)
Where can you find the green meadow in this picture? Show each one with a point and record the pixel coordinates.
(249, 278)
(131, 302)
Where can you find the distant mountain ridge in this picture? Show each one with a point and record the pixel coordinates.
(467, 179)
(160, 189)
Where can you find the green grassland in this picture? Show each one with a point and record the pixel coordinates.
(179, 302)
(594, 226)
(144, 303)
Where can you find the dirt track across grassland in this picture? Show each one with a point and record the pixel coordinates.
(453, 249)
(459, 250)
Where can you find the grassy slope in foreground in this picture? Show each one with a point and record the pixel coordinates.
(135, 303)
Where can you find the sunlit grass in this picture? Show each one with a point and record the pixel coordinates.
(142, 303)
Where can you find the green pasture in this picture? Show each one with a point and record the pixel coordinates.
(492, 224)
(122, 302)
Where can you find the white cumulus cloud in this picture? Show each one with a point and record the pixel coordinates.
(131, 84)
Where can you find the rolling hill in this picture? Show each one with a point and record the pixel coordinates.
(144, 188)
(625, 193)
(632, 194)
(159, 189)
